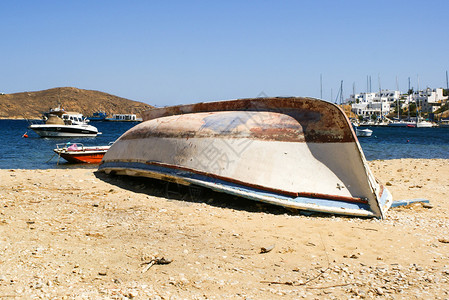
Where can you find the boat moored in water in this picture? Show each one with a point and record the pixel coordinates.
(421, 124)
(300, 153)
(98, 116)
(78, 153)
(60, 123)
(363, 132)
(424, 124)
(401, 123)
(124, 118)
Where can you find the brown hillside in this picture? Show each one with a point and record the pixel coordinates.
(443, 115)
(348, 112)
(31, 105)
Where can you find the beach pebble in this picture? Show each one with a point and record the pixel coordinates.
(379, 291)
(133, 294)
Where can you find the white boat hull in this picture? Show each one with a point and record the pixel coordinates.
(45, 130)
(295, 152)
(424, 124)
(400, 124)
(363, 132)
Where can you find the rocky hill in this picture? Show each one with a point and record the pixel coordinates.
(31, 105)
(348, 112)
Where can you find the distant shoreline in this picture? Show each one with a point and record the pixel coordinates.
(24, 119)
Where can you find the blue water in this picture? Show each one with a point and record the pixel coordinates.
(403, 142)
(35, 152)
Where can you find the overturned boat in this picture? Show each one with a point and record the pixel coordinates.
(300, 153)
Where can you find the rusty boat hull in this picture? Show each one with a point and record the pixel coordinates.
(300, 153)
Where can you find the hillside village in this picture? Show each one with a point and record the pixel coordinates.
(388, 105)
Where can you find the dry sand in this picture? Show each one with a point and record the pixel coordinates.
(79, 234)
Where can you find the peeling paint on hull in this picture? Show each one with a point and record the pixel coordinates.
(295, 152)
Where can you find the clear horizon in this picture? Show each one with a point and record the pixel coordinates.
(168, 53)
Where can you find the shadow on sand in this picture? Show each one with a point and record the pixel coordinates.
(185, 195)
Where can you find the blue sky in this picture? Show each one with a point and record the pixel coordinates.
(179, 52)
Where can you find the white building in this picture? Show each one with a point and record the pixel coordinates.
(429, 100)
(368, 104)
(389, 96)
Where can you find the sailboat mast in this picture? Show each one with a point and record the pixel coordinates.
(397, 88)
(380, 98)
(409, 99)
(370, 84)
(419, 100)
(341, 92)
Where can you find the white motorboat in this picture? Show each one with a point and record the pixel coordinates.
(424, 124)
(365, 132)
(419, 123)
(401, 123)
(59, 123)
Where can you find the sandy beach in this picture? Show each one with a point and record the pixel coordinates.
(80, 234)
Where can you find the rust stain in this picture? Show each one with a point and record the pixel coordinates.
(314, 120)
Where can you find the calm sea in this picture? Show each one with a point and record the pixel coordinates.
(34, 152)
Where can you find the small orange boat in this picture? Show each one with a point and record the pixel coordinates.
(78, 153)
